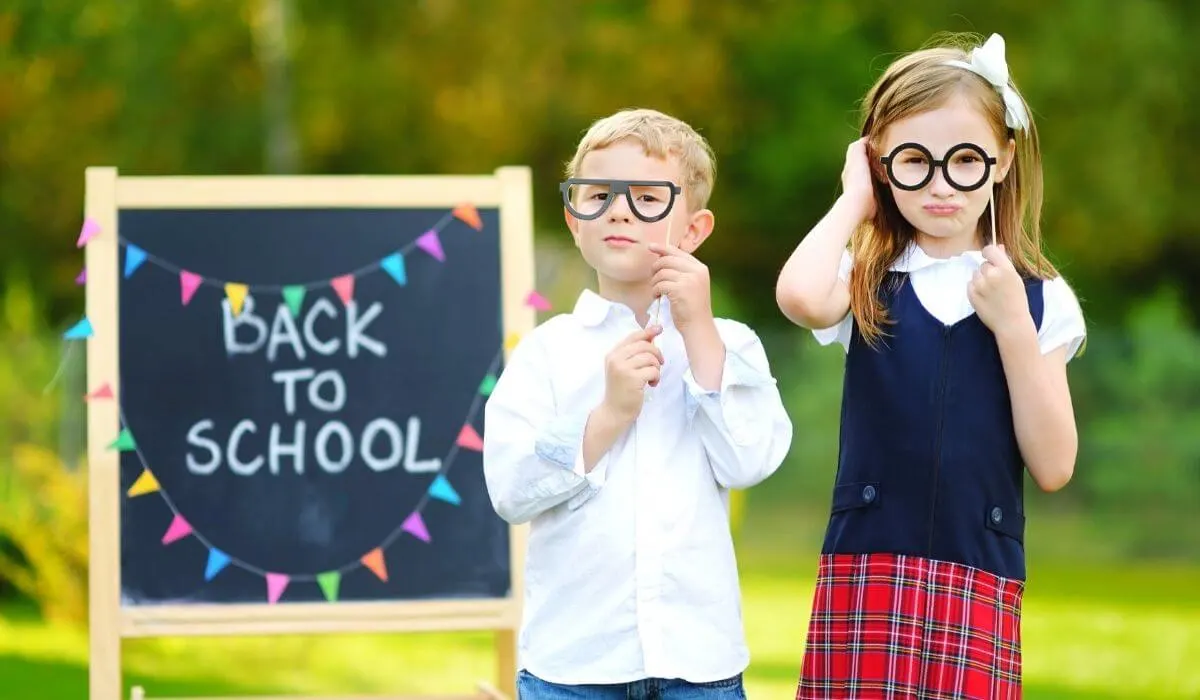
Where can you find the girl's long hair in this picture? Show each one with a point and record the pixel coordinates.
(917, 83)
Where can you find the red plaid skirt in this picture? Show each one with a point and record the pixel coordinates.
(892, 626)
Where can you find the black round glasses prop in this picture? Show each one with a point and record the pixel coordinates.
(911, 166)
(589, 198)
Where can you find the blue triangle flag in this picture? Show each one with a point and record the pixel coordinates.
(217, 560)
(134, 257)
(83, 329)
(442, 490)
(394, 265)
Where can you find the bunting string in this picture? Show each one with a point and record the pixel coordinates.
(393, 264)
(413, 524)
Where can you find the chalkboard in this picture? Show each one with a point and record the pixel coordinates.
(319, 442)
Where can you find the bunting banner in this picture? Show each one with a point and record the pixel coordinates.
(440, 488)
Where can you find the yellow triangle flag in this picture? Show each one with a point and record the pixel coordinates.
(511, 341)
(146, 483)
(237, 295)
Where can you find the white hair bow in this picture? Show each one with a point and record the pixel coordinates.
(988, 61)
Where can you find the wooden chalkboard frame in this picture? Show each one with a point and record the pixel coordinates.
(509, 189)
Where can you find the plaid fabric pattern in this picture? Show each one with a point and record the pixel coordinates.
(897, 627)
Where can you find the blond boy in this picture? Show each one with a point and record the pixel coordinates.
(617, 430)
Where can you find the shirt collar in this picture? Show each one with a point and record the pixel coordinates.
(914, 259)
(592, 309)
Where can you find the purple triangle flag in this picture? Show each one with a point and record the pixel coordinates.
(415, 526)
(430, 243)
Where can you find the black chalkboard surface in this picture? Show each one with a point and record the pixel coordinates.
(302, 394)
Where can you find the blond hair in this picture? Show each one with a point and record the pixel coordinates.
(919, 82)
(661, 136)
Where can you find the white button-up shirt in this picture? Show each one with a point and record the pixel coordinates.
(941, 286)
(630, 570)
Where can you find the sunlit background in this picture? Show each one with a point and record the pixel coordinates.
(165, 87)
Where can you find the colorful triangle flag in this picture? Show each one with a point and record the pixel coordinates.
(293, 296)
(329, 583)
(373, 560)
(146, 483)
(469, 439)
(189, 282)
(469, 215)
(86, 232)
(178, 530)
(415, 526)
(217, 560)
(124, 442)
(394, 266)
(487, 385)
(82, 329)
(443, 491)
(537, 301)
(103, 392)
(430, 243)
(81, 278)
(511, 341)
(276, 583)
(344, 286)
(237, 295)
(134, 257)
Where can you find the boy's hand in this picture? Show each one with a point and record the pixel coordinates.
(682, 279)
(628, 368)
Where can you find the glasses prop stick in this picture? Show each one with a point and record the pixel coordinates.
(658, 297)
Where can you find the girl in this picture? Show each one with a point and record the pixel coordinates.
(957, 332)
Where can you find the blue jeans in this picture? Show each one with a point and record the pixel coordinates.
(530, 687)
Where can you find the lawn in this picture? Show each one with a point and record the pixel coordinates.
(1090, 632)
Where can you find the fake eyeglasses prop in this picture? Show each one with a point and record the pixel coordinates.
(589, 198)
(911, 166)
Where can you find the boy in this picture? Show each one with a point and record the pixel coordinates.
(617, 430)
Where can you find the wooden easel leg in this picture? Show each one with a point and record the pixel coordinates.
(506, 662)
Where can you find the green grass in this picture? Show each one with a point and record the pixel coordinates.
(1102, 631)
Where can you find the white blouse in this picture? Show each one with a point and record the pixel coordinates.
(941, 286)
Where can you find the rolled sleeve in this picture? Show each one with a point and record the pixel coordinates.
(561, 443)
(743, 425)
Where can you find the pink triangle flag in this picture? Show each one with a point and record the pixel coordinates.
(104, 392)
(430, 243)
(189, 282)
(469, 439)
(276, 583)
(344, 286)
(87, 232)
(178, 530)
(537, 301)
(81, 278)
(415, 526)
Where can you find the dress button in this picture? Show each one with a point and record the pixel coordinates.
(997, 515)
(868, 493)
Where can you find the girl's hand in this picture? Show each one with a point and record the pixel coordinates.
(998, 294)
(857, 179)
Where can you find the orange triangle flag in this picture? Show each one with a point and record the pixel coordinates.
(373, 560)
(469, 439)
(469, 215)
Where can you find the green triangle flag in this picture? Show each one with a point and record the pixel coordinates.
(124, 441)
(294, 296)
(329, 584)
(489, 383)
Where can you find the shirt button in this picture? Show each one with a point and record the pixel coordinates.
(997, 515)
(868, 494)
